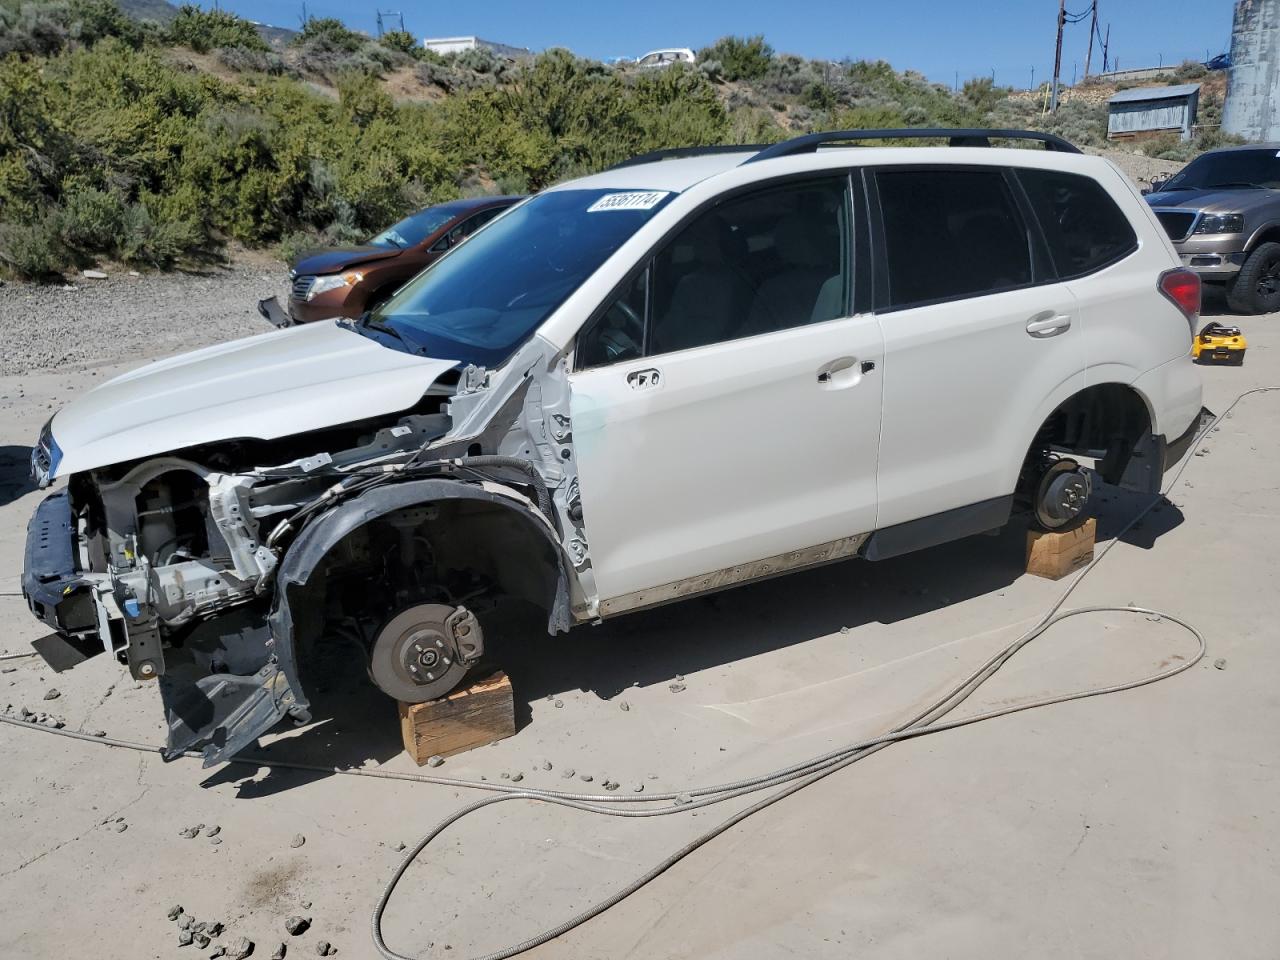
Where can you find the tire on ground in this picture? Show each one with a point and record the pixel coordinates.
(1256, 288)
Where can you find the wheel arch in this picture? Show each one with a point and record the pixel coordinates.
(322, 534)
(1111, 421)
(1267, 233)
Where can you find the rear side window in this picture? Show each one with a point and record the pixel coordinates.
(1085, 229)
(951, 234)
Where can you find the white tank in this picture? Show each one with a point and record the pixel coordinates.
(1252, 109)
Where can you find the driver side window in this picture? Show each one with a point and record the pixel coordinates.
(618, 333)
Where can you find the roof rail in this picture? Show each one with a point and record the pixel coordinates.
(676, 153)
(956, 137)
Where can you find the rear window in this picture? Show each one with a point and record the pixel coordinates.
(1085, 229)
(951, 234)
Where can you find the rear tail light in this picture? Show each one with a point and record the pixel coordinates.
(1182, 288)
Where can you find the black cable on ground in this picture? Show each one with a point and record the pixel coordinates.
(789, 780)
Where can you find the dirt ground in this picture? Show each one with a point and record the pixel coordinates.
(1137, 825)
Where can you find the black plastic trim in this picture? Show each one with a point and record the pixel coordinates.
(940, 528)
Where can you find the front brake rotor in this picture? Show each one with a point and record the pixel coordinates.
(424, 651)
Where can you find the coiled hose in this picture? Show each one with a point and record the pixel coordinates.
(789, 779)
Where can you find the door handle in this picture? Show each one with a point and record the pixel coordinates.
(1048, 324)
(644, 379)
(841, 372)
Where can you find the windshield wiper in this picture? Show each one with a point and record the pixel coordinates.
(1235, 183)
(366, 320)
(1171, 189)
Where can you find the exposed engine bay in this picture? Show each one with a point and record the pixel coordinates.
(214, 574)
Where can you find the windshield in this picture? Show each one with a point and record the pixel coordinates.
(1230, 169)
(483, 299)
(412, 230)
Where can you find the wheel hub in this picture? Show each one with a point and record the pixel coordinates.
(1063, 495)
(423, 652)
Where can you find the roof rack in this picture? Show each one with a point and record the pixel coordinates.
(955, 137)
(677, 153)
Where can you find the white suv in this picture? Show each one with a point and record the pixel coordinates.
(690, 371)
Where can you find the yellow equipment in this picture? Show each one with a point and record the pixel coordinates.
(1219, 343)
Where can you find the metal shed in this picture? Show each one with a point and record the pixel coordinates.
(1145, 111)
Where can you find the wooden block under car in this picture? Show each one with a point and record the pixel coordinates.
(1056, 554)
(467, 718)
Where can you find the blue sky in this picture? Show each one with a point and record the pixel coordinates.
(936, 37)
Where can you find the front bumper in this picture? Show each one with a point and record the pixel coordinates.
(51, 584)
(1213, 266)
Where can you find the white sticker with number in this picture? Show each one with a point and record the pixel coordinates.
(636, 200)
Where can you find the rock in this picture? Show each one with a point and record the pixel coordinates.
(186, 921)
(189, 833)
(297, 925)
(398, 847)
(546, 764)
(97, 733)
(568, 773)
(586, 778)
(676, 687)
(297, 841)
(280, 951)
(121, 827)
(174, 911)
(505, 775)
(215, 928)
(306, 904)
(212, 831)
(134, 273)
(185, 938)
(53, 723)
(214, 841)
(324, 947)
(679, 677)
(94, 275)
(624, 706)
(435, 761)
(240, 948)
(517, 777)
(844, 629)
(1220, 663)
(610, 785)
(218, 951)
(52, 694)
(558, 704)
(638, 788)
(202, 940)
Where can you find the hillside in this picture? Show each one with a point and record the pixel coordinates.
(158, 144)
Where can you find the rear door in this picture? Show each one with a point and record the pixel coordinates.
(726, 406)
(978, 336)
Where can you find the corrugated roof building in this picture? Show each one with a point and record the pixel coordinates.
(1148, 111)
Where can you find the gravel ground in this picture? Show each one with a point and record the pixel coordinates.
(122, 318)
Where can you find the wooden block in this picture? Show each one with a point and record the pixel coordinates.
(467, 718)
(1054, 555)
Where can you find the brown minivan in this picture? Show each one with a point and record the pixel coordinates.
(347, 281)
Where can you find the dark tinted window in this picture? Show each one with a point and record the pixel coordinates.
(618, 333)
(1084, 227)
(951, 233)
(767, 261)
(1228, 170)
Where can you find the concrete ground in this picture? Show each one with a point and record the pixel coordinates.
(1137, 825)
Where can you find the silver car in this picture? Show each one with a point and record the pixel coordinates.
(1222, 212)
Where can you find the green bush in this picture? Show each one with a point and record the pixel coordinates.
(32, 249)
(740, 58)
(403, 41)
(91, 220)
(205, 30)
(329, 33)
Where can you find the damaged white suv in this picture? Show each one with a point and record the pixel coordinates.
(691, 371)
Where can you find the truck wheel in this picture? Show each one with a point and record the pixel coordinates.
(1257, 287)
(1062, 496)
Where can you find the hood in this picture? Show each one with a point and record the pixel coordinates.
(273, 385)
(1215, 201)
(342, 258)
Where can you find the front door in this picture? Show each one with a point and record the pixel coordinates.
(726, 406)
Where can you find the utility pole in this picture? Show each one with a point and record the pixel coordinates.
(1033, 79)
(1057, 56)
(1093, 28)
(1106, 46)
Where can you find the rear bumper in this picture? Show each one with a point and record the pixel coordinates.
(1175, 450)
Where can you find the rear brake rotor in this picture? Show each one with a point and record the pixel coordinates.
(1062, 494)
(423, 652)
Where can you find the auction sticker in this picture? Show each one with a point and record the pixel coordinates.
(635, 200)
